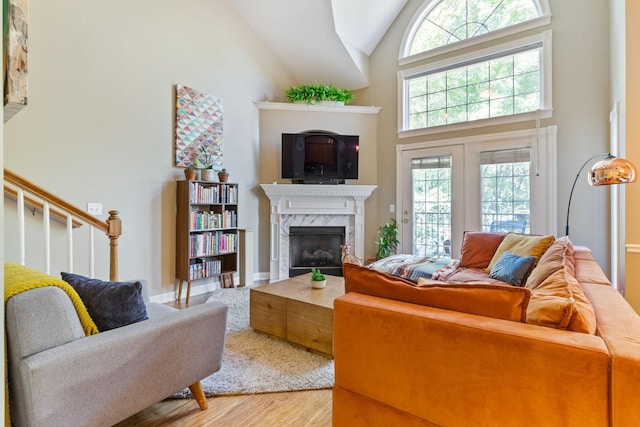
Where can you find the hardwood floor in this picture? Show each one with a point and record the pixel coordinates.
(302, 408)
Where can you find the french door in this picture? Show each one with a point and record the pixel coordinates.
(432, 182)
(499, 182)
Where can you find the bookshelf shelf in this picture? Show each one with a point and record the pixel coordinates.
(206, 231)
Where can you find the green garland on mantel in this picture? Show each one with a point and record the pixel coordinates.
(316, 92)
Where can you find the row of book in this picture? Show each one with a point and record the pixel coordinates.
(212, 243)
(201, 220)
(205, 268)
(213, 193)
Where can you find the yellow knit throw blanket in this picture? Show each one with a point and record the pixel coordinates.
(18, 278)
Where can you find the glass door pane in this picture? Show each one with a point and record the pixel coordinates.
(431, 214)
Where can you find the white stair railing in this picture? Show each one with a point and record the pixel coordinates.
(27, 194)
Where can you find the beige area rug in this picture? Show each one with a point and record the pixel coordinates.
(254, 362)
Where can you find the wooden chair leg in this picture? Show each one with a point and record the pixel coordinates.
(198, 394)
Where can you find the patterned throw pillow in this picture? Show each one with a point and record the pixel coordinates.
(512, 269)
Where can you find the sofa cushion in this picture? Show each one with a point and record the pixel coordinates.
(478, 248)
(559, 302)
(512, 269)
(110, 304)
(522, 245)
(558, 255)
(497, 301)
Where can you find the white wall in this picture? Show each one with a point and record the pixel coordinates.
(99, 126)
(581, 110)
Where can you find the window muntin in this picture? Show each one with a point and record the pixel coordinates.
(504, 85)
(505, 190)
(451, 21)
(432, 205)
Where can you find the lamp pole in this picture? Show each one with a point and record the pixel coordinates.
(576, 180)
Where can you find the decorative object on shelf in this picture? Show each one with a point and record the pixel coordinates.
(207, 173)
(317, 92)
(347, 257)
(198, 128)
(223, 175)
(190, 173)
(610, 170)
(387, 239)
(318, 281)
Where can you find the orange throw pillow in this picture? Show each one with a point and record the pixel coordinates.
(551, 261)
(559, 302)
(497, 301)
(478, 248)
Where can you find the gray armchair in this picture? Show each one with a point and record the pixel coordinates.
(60, 377)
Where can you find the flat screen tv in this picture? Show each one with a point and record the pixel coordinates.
(319, 157)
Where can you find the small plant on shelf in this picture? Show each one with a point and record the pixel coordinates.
(316, 92)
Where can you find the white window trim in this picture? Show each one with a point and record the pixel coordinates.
(405, 58)
(543, 142)
(545, 85)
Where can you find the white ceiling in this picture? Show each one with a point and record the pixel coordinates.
(328, 41)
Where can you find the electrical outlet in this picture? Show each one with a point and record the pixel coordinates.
(94, 208)
(392, 208)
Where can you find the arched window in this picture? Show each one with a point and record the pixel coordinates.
(504, 79)
(450, 21)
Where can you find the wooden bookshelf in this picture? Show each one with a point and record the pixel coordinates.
(206, 231)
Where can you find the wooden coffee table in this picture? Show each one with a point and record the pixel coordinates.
(294, 311)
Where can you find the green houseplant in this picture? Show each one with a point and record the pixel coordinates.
(317, 279)
(207, 172)
(387, 239)
(317, 92)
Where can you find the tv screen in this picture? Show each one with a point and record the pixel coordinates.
(318, 157)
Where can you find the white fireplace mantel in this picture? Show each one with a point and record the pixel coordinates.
(300, 204)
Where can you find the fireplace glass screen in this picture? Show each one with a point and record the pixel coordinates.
(315, 247)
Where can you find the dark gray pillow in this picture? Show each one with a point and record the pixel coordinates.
(110, 304)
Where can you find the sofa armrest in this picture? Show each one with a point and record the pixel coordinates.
(104, 378)
(449, 368)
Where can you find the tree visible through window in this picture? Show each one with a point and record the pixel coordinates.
(455, 20)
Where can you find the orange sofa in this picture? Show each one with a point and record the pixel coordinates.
(414, 364)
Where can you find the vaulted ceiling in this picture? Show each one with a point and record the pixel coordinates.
(327, 41)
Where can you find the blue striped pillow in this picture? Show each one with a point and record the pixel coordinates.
(512, 269)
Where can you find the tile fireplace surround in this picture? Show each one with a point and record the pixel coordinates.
(313, 205)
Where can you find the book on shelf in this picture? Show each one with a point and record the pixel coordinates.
(213, 193)
(201, 220)
(212, 243)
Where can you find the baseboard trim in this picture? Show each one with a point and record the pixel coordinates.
(199, 289)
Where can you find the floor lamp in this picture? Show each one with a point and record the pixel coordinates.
(608, 171)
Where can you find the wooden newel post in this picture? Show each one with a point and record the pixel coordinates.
(114, 230)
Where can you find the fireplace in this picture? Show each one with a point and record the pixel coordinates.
(315, 247)
(294, 206)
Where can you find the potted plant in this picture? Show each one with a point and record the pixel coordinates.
(318, 281)
(316, 93)
(207, 172)
(387, 239)
(223, 175)
(190, 173)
